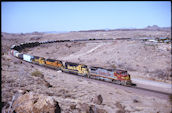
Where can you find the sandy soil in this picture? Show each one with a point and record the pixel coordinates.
(142, 60)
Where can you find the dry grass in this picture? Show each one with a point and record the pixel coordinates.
(37, 74)
(163, 74)
(113, 66)
(121, 108)
(170, 98)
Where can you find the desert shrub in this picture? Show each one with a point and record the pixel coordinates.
(2, 53)
(135, 101)
(120, 107)
(170, 98)
(129, 68)
(8, 59)
(126, 67)
(37, 74)
(47, 52)
(113, 66)
(72, 106)
(163, 74)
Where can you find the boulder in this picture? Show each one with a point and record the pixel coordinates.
(97, 99)
(94, 109)
(86, 108)
(35, 103)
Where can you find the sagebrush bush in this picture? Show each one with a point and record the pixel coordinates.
(37, 74)
(164, 74)
(114, 66)
(170, 97)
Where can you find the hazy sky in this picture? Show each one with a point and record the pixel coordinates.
(22, 17)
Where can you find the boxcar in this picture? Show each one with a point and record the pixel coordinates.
(13, 52)
(20, 56)
(16, 53)
(18, 48)
(27, 57)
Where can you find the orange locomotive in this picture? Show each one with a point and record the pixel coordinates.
(56, 64)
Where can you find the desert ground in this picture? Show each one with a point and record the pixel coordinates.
(143, 60)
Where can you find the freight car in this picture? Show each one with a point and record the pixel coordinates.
(16, 54)
(28, 58)
(13, 52)
(17, 48)
(13, 47)
(20, 56)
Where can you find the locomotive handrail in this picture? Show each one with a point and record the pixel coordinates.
(115, 76)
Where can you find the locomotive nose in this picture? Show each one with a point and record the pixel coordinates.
(129, 75)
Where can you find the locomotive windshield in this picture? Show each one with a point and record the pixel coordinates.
(124, 73)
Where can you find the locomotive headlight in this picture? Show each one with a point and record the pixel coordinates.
(127, 78)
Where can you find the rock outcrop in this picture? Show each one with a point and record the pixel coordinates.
(36, 103)
(97, 99)
(86, 108)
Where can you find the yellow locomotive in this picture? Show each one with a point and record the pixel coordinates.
(38, 60)
(75, 68)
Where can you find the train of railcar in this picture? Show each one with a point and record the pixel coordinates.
(113, 75)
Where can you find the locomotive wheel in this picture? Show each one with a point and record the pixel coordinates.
(123, 83)
(117, 82)
(88, 76)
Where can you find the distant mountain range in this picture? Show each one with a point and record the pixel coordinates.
(153, 27)
(157, 27)
(54, 32)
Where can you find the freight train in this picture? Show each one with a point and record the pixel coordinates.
(116, 76)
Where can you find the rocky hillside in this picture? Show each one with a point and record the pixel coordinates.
(39, 88)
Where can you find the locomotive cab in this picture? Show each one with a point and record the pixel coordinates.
(123, 76)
